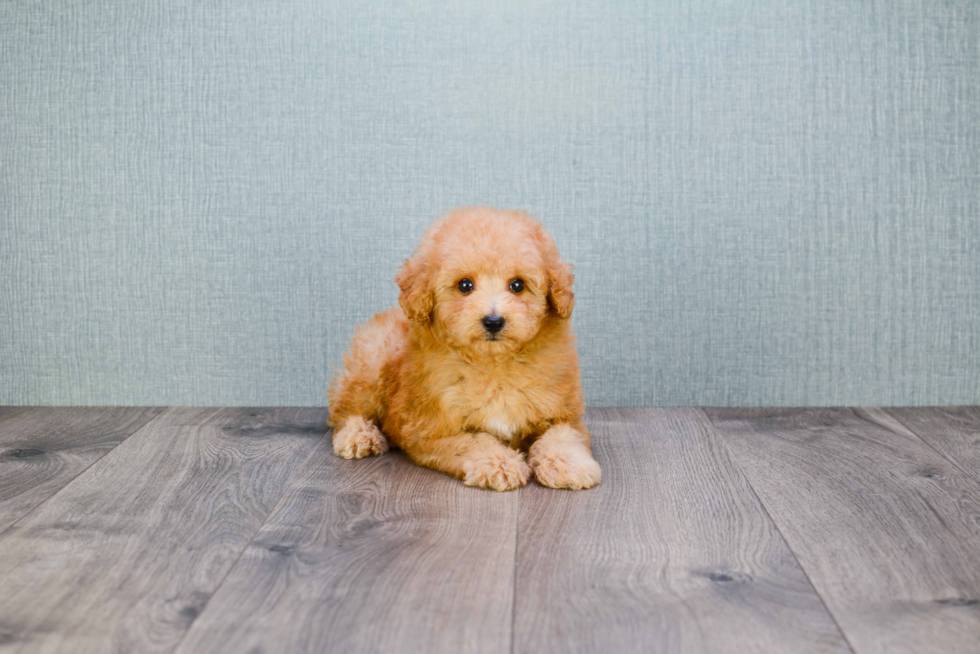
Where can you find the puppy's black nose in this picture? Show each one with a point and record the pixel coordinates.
(493, 324)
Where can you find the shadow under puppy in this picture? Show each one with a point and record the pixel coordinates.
(477, 367)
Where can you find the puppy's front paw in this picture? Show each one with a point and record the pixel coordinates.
(499, 469)
(359, 438)
(570, 467)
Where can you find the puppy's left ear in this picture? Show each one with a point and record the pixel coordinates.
(416, 295)
(560, 293)
(560, 276)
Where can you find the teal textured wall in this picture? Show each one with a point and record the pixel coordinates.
(766, 202)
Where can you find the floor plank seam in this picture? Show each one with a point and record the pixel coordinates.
(513, 592)
(942, 455)
(151, 420)
(765, 509)
(231, 568)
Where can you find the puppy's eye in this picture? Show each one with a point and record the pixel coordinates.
(517, 285)
(465, 285)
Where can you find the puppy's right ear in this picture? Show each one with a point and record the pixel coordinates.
(416, 295)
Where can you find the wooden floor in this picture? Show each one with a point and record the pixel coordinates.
(727, 530)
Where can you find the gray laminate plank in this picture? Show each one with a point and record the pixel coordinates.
(44, 448)
(9, 411)
(887, 529)
(376, 555)
(672, 552)
(953, 431)
(125, 557)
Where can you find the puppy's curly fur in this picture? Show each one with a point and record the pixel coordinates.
(438, 379)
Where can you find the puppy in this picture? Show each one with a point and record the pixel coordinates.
(476, 373)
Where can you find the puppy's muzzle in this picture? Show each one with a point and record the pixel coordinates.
(493, 324)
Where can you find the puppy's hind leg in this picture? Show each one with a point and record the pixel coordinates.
(356, 397)
(358, 438)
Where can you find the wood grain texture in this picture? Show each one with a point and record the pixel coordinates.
(9, 411)
(124, 558)
(44, 448)
(953, 431)
(672, 552)
(887, 529)
(376, 555)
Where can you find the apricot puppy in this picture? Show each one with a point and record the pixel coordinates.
(476, 373)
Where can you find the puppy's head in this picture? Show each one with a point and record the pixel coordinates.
(485, 280)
